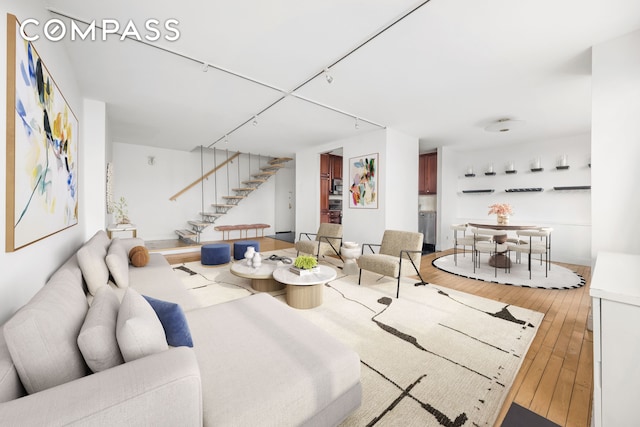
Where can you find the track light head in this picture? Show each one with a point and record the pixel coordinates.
(357, 125)
(205, 67)
(255, 120)
(328, 76)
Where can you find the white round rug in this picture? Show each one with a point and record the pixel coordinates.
(558, 277)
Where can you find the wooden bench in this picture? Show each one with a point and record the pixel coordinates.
(229, 228)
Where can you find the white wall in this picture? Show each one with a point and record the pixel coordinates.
(25, 271)
(398, 178)
(567, 212)
(616, 145)
(94, 164)
(147, 189)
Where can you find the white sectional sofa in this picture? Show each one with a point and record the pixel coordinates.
(254, 360)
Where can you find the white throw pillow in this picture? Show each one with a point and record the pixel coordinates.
(97, 338)
(139, 331)
(117, 261)
(91, 258)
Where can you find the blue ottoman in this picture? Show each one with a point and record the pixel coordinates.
(239, 248)
(215, 254)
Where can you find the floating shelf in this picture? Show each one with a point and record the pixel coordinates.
(469, 175)
(562, 167)
(523, 190)
(511, 171)
(575, 187)
(479, 191)
(489, 173)
(537, 169)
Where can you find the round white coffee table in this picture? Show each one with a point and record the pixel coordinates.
(350, 255)
(304, 291)
(261, 277)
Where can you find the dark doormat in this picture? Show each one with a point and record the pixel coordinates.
(286, 236)
(517, 416)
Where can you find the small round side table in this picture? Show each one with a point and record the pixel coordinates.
(350, 255)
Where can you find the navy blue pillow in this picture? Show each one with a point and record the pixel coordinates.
(173, 321)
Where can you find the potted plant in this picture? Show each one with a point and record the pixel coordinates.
(304, 264)
(121, 212)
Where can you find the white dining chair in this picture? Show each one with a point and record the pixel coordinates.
(531, 247)
(460, 240)
(485, 241)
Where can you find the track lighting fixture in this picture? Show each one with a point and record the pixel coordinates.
(255, 120)
(205, 67)
(328, 76)
(357, 125)
(503, 125)
(226, 139)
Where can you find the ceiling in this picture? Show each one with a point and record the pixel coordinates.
(440, 70)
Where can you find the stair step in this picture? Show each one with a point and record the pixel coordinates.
(279, 160)
(254, 181)
(186, 234)
(222, 205)
(273, 167)
(234, 197)
(199, 225)
(243, 189)
(263, 174)
(210, 217)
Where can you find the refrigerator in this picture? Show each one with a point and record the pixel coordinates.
(427, 226)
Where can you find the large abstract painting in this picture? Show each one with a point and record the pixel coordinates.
(42, 148)
(363, 188)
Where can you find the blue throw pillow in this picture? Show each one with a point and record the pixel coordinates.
(173, 321)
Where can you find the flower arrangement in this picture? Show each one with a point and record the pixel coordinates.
(500, 209)
(305, 262)
(121, 212)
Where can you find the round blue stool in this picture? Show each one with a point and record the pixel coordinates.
(239, 248)
(215, 254)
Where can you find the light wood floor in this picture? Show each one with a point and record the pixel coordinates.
(556, 377)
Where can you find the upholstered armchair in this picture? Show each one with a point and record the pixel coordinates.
(399, 255)
(326, 241)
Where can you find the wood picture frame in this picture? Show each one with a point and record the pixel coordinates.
(42, 148)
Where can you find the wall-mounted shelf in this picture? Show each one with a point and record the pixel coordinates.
(537, 169)
(511, 171)
(469, 175)
(478, 191)
(575, 187)
(489, 173)
(562, 167)
(523, 190)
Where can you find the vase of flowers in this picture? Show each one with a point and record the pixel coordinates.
(502, 211)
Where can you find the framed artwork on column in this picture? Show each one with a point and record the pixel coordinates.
(42, 148)
(363, 182)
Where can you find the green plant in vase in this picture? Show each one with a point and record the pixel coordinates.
(305, 262)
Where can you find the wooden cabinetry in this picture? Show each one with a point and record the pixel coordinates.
(616, 341)
(428, 174)
(325, 186)
(335, 166)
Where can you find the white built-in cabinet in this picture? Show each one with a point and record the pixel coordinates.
(615, 292)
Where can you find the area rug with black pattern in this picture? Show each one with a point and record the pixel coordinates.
(433, 357)
(556, 277)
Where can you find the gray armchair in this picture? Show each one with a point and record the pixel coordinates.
(327, 241)
(396, 247)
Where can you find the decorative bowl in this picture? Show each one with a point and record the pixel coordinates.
(350, 245)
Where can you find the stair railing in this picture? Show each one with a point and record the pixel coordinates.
(203, 177)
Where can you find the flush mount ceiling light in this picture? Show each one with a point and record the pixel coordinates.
(504, 125)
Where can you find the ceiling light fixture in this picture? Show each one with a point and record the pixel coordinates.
(504, 125)
(357, 125)
(226, 139)
(255, 120)
(328, 76)
(205, 67)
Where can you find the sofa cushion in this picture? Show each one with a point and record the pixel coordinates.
(175, 325)
(138, 329)
(91, 258)
(117, 261)
(42, 335)
(131, 242)
(10, 386)
(97, 339)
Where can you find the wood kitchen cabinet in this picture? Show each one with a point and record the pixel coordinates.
(428, 173)
(325, 165)
(336, 167)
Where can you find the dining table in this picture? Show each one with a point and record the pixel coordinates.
(500, 260)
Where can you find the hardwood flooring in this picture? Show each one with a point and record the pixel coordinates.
(556, 377)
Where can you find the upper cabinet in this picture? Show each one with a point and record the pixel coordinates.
(325, 165)
(335, 166)
(428, 174)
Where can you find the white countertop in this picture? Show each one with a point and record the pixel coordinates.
(616, 277)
